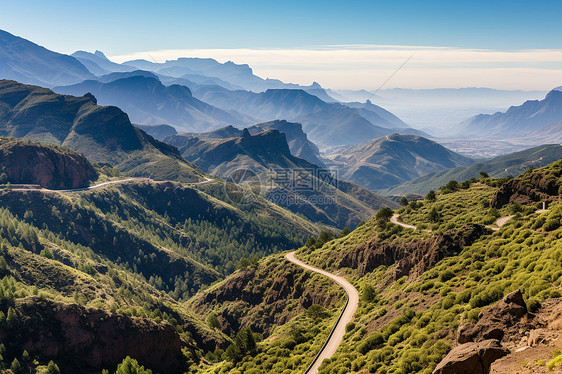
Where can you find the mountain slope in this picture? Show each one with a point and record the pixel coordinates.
(28, 62)
(448, 283)
(114, 265)
(375, 114)
(391, 160)
(264, 162)
(527, 118)
(297, 139)
(159, 132)
(498, 167)
(102, 134)
(234, 75)
(148, 102)
(325, 123)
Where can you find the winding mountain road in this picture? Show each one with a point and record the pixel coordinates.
(503, 220)
(394, 219)
(206, 181)
(500, 222)
(338, 331)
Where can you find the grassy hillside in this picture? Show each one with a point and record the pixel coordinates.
(264, 161)
(410, 312)
(289, 311)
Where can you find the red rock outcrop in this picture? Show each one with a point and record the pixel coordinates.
(539, 185)
(411, 257)
(80, 338)
(494, 320)
(471, 358)
(48, 166)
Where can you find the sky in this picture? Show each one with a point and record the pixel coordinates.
(340, 44)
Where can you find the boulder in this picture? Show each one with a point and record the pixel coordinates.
(538, 336)
(494, 320)
(471, 358)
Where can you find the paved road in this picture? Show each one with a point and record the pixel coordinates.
(206, 181)
(503, 220)
(500, 222)
(347, 316)
(394, 219)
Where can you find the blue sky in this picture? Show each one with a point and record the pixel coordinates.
(122, 28)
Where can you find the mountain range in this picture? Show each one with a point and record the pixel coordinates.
(148, 102)
(263, 160)
(297, 139)
(525, 122)
(511, 164)
(327, 124)
(236, 76)
(197, 95)
(103, 134)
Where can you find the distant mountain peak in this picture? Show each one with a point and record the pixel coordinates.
(100, 54)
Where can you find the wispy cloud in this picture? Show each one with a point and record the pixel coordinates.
(367, 66)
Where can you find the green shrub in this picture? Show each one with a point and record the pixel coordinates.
(551, 224)
(372, 341)
(369, 293)
(446, 275)
(431, 196)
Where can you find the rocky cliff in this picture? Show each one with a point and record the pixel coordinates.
(48, 166)
(537, 185)
(411, 258)
(82, 338)
(264, 296)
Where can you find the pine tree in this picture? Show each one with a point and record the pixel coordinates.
(131, 366)
(52, 368)
(11, 318)
(431, 196)
(213, 321)
(16, 367)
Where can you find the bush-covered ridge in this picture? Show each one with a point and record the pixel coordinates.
(136, 249)
(407, 325)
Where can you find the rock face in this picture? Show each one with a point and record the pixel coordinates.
(471, 358)
(494, 320)
(479, 344)
(539, 185)
(51, 167)
(412, 257)
(259, 298)
(83, 338)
